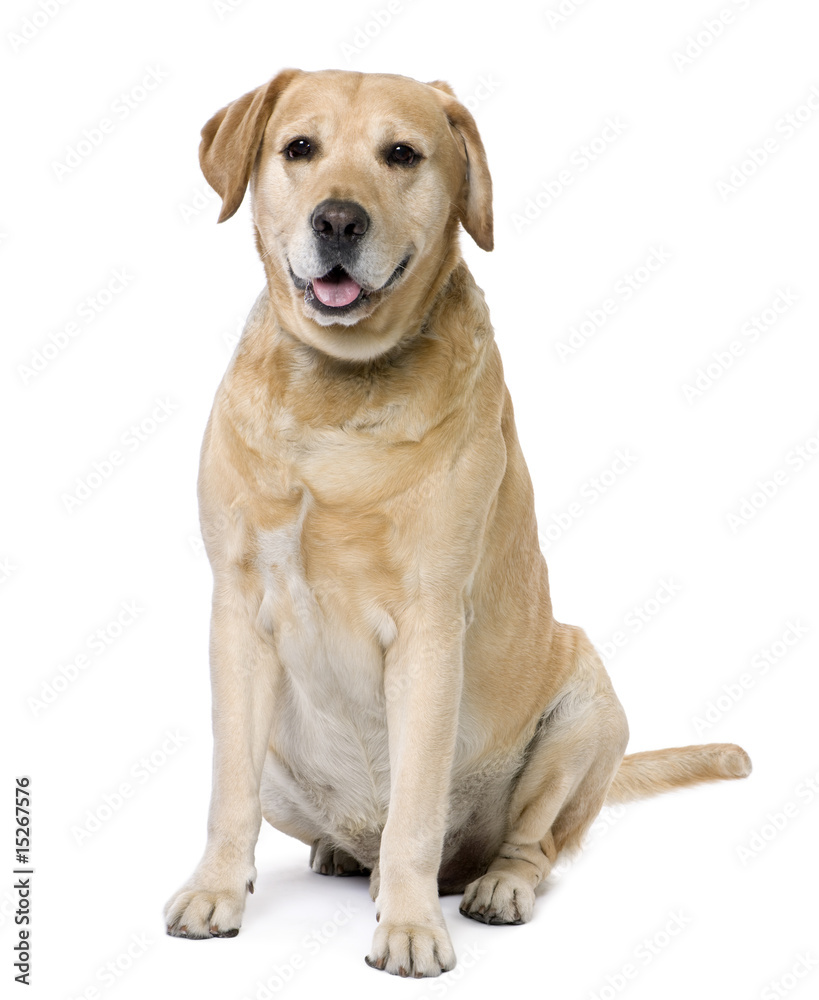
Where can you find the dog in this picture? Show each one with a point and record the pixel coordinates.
(389, 684)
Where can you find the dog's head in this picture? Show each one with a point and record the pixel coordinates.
(358, 183)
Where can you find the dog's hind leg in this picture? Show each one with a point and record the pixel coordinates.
(569, 765)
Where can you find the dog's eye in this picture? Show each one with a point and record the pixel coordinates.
(403, 154)
(297, 148)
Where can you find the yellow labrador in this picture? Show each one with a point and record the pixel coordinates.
(389, 684)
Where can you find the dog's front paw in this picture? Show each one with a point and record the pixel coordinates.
(202, 908)
(415, 950)
(499, 898)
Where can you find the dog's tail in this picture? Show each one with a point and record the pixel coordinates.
(656, 771)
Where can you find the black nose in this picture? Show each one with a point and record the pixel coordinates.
(342, 221)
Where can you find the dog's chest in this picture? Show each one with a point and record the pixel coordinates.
(334, 558)
(329, 627)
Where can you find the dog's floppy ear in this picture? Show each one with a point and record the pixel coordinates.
(443, 85)
(476, 199)
(231, 139)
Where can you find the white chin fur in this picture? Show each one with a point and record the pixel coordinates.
(347, 344)
(346, 319)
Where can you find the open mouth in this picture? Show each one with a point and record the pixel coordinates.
(337, 292)
(337, 289)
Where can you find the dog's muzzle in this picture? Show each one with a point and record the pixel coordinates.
(338, 229)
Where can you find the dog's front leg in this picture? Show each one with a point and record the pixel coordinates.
(422, 683)
(211, 902)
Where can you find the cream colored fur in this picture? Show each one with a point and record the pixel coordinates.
(389, 684)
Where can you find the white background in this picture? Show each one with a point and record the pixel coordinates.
(138, 203)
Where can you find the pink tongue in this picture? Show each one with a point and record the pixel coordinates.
(336, 293)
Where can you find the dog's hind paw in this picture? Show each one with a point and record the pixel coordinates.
(327, 859)
(499, 898)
